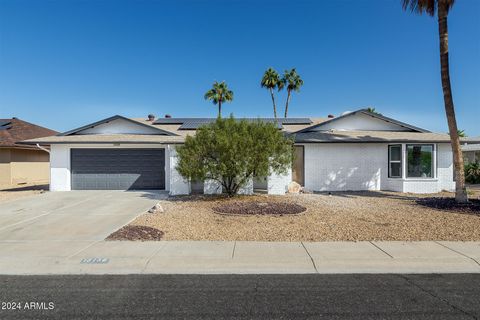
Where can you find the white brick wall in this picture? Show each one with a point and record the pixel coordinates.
(445, 167)
(278, 184)
(344, 166)
(178, 185)
(212, 187)
(247, 188)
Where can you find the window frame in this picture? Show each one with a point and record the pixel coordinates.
(434, 161)
(390, 161)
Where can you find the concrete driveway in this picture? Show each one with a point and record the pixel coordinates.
(72, 216)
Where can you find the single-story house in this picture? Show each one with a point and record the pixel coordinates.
(471, 152)
(20, 163)
(358, 150)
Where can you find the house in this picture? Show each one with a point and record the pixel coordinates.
(358, 150)
(20, 163)
(471, 152)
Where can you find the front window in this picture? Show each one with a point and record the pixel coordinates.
(420, 161)
(395, 161)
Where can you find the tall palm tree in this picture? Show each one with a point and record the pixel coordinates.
(271, 80)
(219, 94)
(292, 81)
(442, 7)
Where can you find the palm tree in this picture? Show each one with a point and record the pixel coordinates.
(219, 94)
(442, 7)
(293, 82)
(372, 110)
(271, 80)
(461, 133)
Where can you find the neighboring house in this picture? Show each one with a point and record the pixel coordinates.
(471, 152)
(20, 163)
(356, 151)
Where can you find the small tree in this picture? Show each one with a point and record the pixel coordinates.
(232, 152)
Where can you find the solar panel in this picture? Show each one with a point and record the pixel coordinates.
(195, 123)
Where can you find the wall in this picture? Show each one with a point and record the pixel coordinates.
(60, 176)
(344, 166)
(178, 185)
(277, 184)
(120, 126)
(5, 172)
(361, 121)
(29, 166)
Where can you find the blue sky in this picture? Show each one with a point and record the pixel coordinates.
(67, 63)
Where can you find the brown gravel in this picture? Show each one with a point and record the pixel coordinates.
(349, 216)
(259, 207)
(136, 233)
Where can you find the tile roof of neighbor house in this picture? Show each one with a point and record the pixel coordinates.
(15, 130)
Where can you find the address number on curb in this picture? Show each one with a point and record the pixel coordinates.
(94, 260)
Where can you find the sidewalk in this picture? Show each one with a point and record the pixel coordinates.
(204, 257)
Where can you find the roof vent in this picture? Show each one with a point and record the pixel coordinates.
(330, 116)
(168, 116)
(151, 117)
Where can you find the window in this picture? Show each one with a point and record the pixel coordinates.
(420, 161)
(395, 161)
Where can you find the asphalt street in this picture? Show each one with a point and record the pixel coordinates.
(446, 296)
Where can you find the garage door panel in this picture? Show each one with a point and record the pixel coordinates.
(118, 169)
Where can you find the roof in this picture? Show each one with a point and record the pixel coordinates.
(110, 119)
(15, 130)
(195, 123)
(174, 124)
(371, 114)
(108, 138)
(471, 147)
(171, 132)
(338, 136)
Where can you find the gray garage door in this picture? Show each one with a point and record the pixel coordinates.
(117, 169)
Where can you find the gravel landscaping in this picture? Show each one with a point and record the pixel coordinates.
(347, 216)
(259, 207)
(136, 233)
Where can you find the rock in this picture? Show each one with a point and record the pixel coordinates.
(294, 187)
(156, 209)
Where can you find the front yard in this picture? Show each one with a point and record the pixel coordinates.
(347, 216)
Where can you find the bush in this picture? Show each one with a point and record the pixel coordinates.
(232, 152)
(472, 172)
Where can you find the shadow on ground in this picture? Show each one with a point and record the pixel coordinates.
(26, 188)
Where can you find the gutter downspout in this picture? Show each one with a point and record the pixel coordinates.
(42, 148)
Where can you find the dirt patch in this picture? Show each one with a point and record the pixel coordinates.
(257, 207)
(9, 192)
(449, 204)
(136, 233)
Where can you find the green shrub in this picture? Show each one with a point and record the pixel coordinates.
(232, 152)
(472, 172)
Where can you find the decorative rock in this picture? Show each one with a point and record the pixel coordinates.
(156, 209)
(294, 187)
